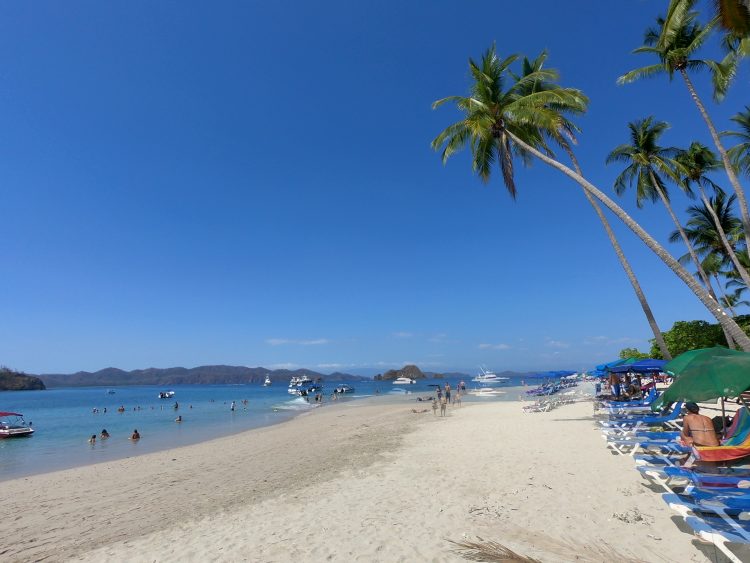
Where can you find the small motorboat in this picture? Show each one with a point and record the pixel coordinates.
(166, 394)
(404, 381)
(12, 425)
(344, 389)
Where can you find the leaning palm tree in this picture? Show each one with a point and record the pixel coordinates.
(564, 140)
(694, 165)
(740, 153)
(647, 166)
(675, 41)
(500, 123)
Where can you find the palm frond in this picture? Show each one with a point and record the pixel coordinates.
(643, 72)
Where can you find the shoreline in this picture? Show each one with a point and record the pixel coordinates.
(149, 445)
(372, 483)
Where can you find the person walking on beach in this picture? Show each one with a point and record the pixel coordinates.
(448, 392)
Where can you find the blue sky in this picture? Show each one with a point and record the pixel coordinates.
(251, 183)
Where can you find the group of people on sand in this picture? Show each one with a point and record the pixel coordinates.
(629, 389)
(443, 397)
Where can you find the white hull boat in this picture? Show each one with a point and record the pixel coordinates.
(487, 377)
(404, 381)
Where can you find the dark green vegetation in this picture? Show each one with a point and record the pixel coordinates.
(627, 353)
(691, 335)
(516, 111)
(17, 381)
(111, 377)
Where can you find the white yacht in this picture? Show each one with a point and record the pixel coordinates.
(404, 381)
(487, 377)
(304, 386)
(267, 382)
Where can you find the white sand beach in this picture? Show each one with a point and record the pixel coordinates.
(355, 482)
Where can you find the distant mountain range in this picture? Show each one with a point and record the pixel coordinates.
(111, 377)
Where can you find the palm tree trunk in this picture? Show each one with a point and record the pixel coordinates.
(658, 336)
(676, 221)
(723, 295)
(732, 327)
(724, 156)
(728, 247)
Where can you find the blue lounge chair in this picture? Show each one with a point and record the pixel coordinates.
(717, 532)
(638, 421)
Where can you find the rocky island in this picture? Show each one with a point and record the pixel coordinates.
(17, 381)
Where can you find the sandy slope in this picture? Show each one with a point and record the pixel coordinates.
(353, 483)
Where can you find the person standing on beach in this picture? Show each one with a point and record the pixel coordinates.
(443, 405)
(448, 392)
(434, 407)
(614, 382)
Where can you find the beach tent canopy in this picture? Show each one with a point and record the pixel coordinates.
(648, 365)
(706, 374)
(609, 365)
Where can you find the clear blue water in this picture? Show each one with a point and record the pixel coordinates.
(63, 418)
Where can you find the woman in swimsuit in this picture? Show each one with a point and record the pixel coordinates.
(697, 429)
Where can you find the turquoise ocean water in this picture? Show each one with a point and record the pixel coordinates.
(64, 418)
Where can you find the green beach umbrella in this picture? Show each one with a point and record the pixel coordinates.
(705, 374)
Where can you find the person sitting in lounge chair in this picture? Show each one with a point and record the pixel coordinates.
(697, 429)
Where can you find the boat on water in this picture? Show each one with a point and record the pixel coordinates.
(166, 394)
(12, 425)
(487, 377)
(110, 391)
(404, 381)
(267, 382)
(344, 389)
(304, 385)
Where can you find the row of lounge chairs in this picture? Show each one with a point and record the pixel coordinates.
(712, 498)
(545, 404)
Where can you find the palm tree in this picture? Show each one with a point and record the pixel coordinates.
(675, 40)
(706, 238)
(647, 164)
(740, 154)
(734, 18)
(498, 123)
(529, 67)
(694, 164)
(712, 265)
